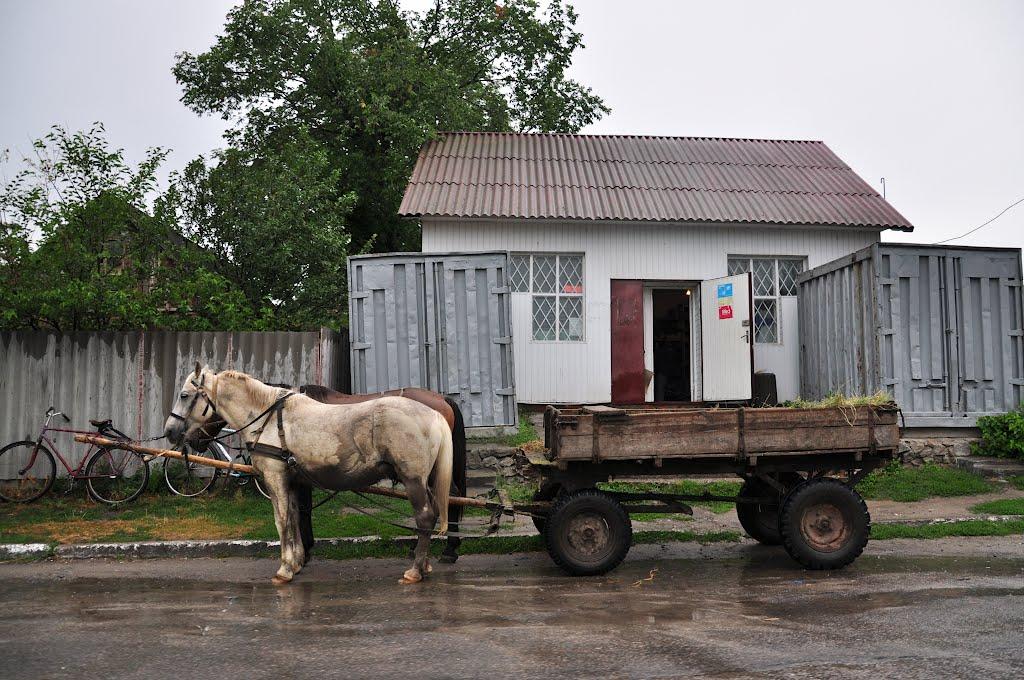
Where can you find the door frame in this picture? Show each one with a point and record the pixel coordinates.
(696, 359)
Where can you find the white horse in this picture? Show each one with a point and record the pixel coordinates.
(340, 447)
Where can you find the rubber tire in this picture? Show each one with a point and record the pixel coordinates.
(100, 499)
(846, 500)
(547, 492)
(52, 466)
(213, 478)
(761, 522)
(570, 505)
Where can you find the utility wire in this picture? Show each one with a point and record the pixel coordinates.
(1001, 213)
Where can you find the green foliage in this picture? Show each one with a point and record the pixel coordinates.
(905, 485)
(1001, 435)
(104, 260)
(1003, 506)
(971, 527)
(1017, 482)
(367, 83)
(277, 228)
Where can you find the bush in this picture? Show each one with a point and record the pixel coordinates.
(1002, 435)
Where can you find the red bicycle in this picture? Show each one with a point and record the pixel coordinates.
(112, 476)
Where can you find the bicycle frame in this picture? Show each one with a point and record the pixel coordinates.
(75, 473)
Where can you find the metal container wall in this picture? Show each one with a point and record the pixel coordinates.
(132, 377)
(940, 328)
(438, 321)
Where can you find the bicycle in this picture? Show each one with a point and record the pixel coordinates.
(191, 479)
(112, 476)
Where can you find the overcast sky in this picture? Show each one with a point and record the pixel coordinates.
(928, 94)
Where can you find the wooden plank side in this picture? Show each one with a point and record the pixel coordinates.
(829, 417)
(715, 432)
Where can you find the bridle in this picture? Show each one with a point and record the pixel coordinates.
(210, 405)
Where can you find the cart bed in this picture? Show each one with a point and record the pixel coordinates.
(642, 433)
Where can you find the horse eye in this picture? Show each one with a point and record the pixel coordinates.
(184, 395)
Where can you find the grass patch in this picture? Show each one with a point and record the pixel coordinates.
(1005, 506)
(230, 514)
(906, 485)
(686, 486)
(838, 400)
(973, 527)
(1017, 482)
(525, 434)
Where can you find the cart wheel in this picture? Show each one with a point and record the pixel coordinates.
(588, 532)
(761, 522)
(547, 492)
(824, 524)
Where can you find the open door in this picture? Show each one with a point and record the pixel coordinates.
(727, 349)
(627, 306)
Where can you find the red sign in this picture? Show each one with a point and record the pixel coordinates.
(725, 312)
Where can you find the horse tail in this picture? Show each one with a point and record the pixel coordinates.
(443, 475)
(458, 456)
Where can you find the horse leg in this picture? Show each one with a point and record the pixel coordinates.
(286, 519)
(304, 497)
(451, 548)
(425, 518)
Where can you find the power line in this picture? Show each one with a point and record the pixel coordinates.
(1001, 213)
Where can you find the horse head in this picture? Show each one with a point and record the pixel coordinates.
(194, 419)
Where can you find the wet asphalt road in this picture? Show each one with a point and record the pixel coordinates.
(928, 609)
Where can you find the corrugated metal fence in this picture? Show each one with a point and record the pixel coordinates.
(940, 328)
(132, 377)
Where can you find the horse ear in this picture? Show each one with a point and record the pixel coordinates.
(199, 368)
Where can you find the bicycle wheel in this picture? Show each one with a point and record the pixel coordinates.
(189, 479)
(26, 472)
(113, 476)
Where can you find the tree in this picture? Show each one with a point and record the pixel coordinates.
(277, 227)
(367, 83)
(104, 260)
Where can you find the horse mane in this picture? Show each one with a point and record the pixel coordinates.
(257, 391)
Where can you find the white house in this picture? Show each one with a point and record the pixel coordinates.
(610, 238)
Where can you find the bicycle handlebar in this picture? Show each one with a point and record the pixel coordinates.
(51, 412)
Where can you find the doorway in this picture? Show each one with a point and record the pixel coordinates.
(670, 322)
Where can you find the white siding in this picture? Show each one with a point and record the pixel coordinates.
(581, 372)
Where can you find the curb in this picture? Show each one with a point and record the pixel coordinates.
(159, 549)
(950, 520)
(257, 548)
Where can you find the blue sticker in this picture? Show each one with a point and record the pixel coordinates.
(725, 290)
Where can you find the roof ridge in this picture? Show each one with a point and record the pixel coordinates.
(671, 220)
(483, 133)
(642, 162)
(643, 188)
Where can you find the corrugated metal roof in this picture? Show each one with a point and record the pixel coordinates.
(664, 179)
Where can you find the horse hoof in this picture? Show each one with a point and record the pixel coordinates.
(411, 576)
(445, 558)
(279, 580)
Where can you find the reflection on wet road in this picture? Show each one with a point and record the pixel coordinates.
(721, 611)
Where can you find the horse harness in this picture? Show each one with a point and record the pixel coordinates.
(284, 455)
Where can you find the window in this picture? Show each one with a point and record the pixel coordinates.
(555, 285)
(771, 278)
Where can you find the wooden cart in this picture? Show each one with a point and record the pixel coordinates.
(799, 468)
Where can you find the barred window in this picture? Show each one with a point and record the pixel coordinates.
(555, 284)
(772, 278)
